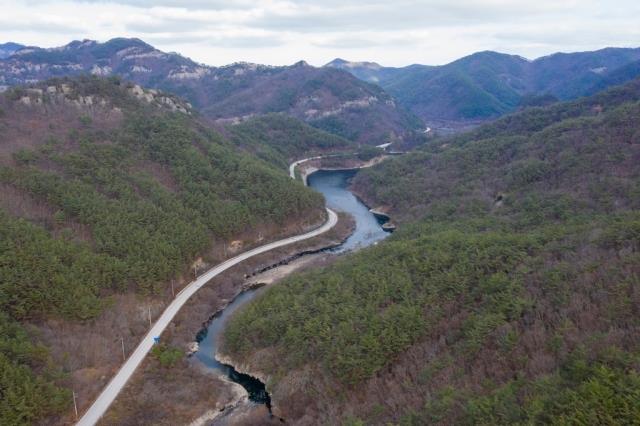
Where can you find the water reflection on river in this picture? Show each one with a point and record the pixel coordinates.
(333, 184)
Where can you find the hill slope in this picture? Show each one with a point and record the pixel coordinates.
(618, 76)
(108, 190)
(7, 49)
(490, 84)
(281, 139)
(509, 295)
(368, 71)
(326, 98)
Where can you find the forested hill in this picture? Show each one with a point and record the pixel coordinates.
(509, 294)
(489, 84)
(107, 188)
(329, 99)
(582, 152)
(7, 49)
(281, 139)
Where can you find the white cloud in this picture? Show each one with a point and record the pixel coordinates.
(283, 31)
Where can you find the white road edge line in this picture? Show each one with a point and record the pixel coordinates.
(292, 166)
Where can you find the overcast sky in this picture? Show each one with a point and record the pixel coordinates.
(391, 32)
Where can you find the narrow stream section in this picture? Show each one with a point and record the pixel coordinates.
(208, 339)
(333, 184)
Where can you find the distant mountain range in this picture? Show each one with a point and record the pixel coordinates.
(361, 101)
(326, 98)
(488, 84)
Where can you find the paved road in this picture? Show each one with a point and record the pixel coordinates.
(118, 382)
(292, 166)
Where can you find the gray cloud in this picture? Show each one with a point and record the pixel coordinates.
(204, 40)
(167, 25)
(190, 4)
(309, 16)
(395, 33)
(362, 41)
(40, 27)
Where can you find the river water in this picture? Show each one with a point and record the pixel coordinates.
(333, 184)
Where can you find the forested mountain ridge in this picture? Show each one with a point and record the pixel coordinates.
(509, 294)
(367, 71)
(573, 120)
(489, 84)
(7, 49)
(618, 76)
(329, 99)
(281, 139)
(108, 189)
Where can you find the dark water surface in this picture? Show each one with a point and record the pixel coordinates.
(333, 185)
(208, 345)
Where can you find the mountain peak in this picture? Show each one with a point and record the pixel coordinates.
(11, 45)
(490, 55)
(130, 42)
(113, 44)
(7, 49)
(300, 64)
(341, 63)
(337, 62)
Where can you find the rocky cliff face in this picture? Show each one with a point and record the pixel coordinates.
(329, 99)
(131, 59)
(66, 92)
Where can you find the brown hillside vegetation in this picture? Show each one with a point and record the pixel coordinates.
(509, 295)
(326, 98)
(108, 193)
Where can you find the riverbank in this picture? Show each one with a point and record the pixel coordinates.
(333, 184)
(208, 338)
(90, 352)
(244, 410)
(241, 410)
(330, 163)
(182, 393)
(307, 167)
(205, 348)
(194, 393)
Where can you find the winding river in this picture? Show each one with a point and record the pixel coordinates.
(333, 184)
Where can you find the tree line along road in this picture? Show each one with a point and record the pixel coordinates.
(117, 383)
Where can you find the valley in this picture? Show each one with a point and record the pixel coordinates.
(486, 305)
(367, 230)
(326, 98)
(489, 84)
(345, 244)
(115, 385)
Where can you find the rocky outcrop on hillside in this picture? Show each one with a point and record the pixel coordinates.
(329, 99)
(69, 92)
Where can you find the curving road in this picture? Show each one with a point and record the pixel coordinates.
(109, 393)
(292, 166)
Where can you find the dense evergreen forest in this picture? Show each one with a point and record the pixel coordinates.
(107, 188)
(280, 139)
(509, 295)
